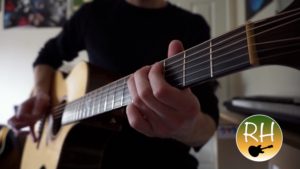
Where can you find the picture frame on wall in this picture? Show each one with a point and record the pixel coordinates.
(34, 13)
(255, 6)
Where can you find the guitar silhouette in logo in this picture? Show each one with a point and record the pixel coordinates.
(254, 151)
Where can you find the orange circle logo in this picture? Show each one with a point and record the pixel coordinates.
(259, 138)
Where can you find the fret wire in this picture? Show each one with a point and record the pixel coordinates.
(105, 102)
(211, 59)
(99, 103)
(113, 99)
(81, 108)
(122, 98)
(183, 71)
(94, 104)
(86, 105)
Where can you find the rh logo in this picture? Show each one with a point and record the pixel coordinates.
(259, 138)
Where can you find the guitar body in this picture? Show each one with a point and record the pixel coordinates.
(72, 144)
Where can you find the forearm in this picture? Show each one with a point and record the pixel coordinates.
(43, 75)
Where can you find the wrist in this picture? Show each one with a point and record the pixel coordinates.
(202, 129)
(39, 91)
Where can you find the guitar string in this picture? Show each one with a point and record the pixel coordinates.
(228, 68)
(62, 105)
(235, 36)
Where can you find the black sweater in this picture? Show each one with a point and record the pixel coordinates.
(120, 38)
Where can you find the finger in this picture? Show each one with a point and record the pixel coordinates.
(32, 133)
(25, 108)
(144, 92)
(166, 93)
(138, 121)
(18, 123)
(175, 47)
(139, 104)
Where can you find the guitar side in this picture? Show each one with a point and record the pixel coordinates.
(46, 152)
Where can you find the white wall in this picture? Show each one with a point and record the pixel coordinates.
(18, 48)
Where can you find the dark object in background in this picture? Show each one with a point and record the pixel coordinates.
(11, 148)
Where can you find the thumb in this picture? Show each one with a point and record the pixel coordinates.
(175, 47)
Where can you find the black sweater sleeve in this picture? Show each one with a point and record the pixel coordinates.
(67, 44)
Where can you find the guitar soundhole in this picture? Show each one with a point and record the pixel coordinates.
(56, 125)
(56, 119)
(43, 167)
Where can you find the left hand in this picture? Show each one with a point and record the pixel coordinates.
(159, 109)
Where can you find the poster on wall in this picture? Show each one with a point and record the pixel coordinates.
(34, 13)
(255, 6)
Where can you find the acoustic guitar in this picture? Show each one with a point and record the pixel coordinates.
(78, 100)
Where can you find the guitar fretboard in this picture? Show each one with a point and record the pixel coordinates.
(109, 97)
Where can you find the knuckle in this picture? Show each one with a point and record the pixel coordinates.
(130, 80)
(160, 92)
(134, 123)
(138, 73)
(137, 101)
(145, 93)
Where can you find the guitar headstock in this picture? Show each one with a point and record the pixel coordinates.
(277, 39)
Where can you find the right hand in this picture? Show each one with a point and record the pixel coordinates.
(29, 112)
